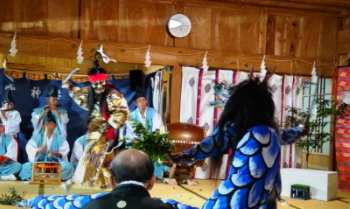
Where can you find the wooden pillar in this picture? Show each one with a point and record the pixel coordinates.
(2, 58)
(175, 92)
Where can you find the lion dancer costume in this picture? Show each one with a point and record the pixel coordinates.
(107, 111)
(10, 119)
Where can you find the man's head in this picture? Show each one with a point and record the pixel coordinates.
(8, 101)
(49, 121)
(140, 100)
(52, 95)
(97, 77)
(133, 165)
(141, 103)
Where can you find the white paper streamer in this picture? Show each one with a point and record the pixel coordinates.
(104, 56)
(205, 62)
(80, 58)
(263, 69)
(148, 57)
(13, 50)
(314, 74)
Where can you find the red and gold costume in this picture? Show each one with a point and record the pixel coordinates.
(101, 137)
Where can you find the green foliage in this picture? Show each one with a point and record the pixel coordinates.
(156, 145)
(317, 135)
(300, 186)
(13, 198)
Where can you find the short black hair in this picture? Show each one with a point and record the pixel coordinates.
(140, 170)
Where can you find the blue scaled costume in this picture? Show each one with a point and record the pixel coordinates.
(78, 202)
(254, 178)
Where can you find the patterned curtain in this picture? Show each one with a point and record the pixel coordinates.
(39, 76)
(342, 136)
(189, 94)
(197, 92)
(292, 97)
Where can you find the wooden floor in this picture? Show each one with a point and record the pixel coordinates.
(192, 195)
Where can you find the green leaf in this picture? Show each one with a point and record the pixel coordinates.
(155, 144)
(13, 199)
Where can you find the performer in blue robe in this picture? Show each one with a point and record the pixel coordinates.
(78, 149)
(59, 114)
(9, 167)
(150, 119)
(47, 147)
(247, 127)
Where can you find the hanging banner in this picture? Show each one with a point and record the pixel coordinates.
(342, 133)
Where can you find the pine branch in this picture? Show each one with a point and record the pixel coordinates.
(13, 198)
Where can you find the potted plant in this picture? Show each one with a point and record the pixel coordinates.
(317, 122)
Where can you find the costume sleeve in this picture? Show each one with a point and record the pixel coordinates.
(129, 131)
(64, 150)
(31, 149)
(290, 136)
(80, 96)
(12, 150)
(37, 124)
(118, 109)
(63, 123)
(12, 123)
(77, 152)
(209, 146)
(157, 121)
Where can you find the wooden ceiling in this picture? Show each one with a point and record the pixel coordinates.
(337, 6)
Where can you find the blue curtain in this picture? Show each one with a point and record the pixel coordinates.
(30, 94)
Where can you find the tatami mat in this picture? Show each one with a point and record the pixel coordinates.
(191, 195)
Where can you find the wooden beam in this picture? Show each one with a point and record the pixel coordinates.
(343, 41)
(332, 6)
(160, 55)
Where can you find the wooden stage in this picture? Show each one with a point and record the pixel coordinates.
(192, 195)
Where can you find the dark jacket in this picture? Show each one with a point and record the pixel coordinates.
(135, 197)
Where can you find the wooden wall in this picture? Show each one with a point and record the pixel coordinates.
(216, 26)
(317, 161)
(292, 38)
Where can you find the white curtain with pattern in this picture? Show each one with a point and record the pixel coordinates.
(189, 94)
(286, 90)
(292, 97)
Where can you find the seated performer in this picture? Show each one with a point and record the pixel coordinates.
(107, 112)
(247, 126)
(10, 118)
(144, 115)
(47, 147)
(59, 113)
(132, 175)
(78, 150)
(9, 167)
(149, 118)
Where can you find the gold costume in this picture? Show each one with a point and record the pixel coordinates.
(93, 166)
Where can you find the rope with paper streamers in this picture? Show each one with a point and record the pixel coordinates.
(149, 49)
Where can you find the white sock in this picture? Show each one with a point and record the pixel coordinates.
(8, 178)
(66, 186)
